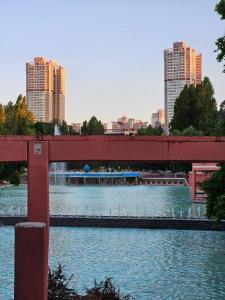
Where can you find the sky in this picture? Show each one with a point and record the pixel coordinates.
(112, 50)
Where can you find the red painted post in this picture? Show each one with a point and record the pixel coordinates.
(31, 281)
(38, 197)
(193, 191)
(38, 184)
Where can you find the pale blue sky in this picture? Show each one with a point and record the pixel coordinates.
(112, 50)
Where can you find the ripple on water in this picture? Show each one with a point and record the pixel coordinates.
(108, 200)
(148, 264)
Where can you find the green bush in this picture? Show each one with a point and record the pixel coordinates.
(62, 288)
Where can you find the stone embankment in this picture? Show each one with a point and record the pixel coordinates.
(123, 222)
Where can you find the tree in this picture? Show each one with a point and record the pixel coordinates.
(24, 117)
(16, 119)
(104, 290)
(21, 109)
(14, 177)
(185, 109)
(190, 131)
(220, 126)
(214, 188)
(220, 43)
(150, 131)
(84, 128)
(71, 131)
(195, 107)
(2, 114)
(43, 128)
(95, 126)
(10, 125)
(92, 127)
(63, 127)
(206, 106)
(2, 119)
(10, 172)
(59, 285)
(221, 112)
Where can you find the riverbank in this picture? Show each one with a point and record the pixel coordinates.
(123, 222)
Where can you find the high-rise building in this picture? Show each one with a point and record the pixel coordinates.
(158, 118)
(45, 88)
(182, 65)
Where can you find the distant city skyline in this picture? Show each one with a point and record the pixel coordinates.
(112, 50)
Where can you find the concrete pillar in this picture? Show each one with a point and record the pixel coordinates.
(31, 265)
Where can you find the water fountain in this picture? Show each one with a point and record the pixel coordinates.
(173, 214)
(58, 166)
(145, 212)
(199, 211)
(137, 208)
(189, 213)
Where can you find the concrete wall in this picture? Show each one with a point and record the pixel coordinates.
(120, 222)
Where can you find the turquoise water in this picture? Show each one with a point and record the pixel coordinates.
(147, 264)
(108, 200)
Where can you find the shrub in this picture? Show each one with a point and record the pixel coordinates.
(62, 288)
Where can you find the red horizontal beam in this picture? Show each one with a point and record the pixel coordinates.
(189, 149)
(128, 148)
(13, 151)
(112, 138)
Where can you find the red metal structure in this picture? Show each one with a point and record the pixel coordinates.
(39, 152)
(198, 174)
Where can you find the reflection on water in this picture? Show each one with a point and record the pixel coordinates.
(147, 264)
(108, 200)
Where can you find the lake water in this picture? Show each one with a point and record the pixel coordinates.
(147, 264)
(140, 200)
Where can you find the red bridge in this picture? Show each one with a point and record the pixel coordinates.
(31, 246)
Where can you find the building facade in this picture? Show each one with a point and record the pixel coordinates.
(182, 65)
(158, 118)
(76, 127)
(125, 125)
(45, 89)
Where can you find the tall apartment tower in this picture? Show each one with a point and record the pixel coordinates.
(45, 88)
(182, 65)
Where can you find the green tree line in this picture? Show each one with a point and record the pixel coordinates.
(195, 111)
(16, 118)
(214, 186)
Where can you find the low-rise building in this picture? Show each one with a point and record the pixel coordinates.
(126, 126)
